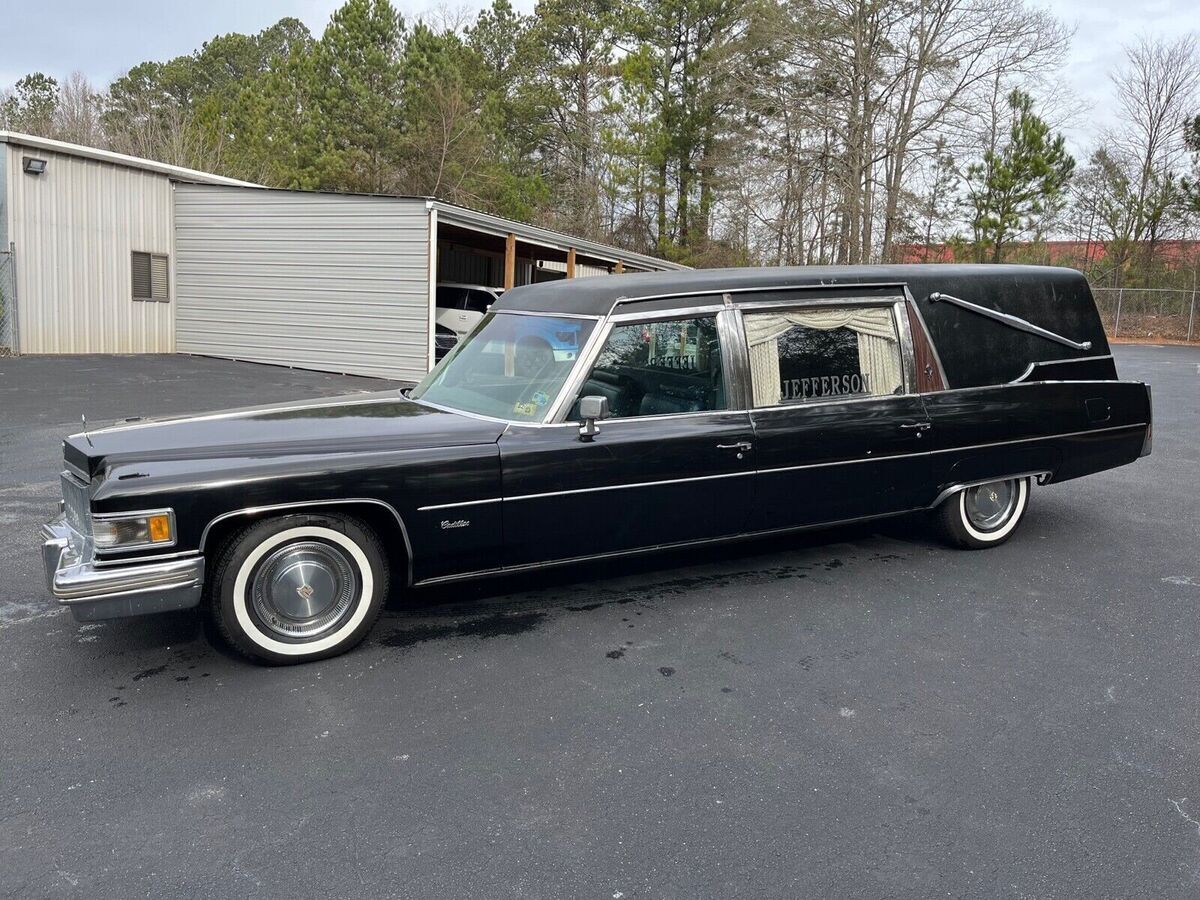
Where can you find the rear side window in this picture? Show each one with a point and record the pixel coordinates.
(821, 353)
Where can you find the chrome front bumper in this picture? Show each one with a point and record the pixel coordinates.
(94, 592)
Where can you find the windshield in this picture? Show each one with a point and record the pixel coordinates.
(511, 366)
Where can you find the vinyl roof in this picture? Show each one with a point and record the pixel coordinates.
(598, 296)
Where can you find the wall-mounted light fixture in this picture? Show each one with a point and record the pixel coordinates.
(34, 166)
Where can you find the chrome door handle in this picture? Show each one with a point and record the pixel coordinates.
(918, 426)
(740, 445)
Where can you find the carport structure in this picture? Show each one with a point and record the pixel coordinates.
(347, 283)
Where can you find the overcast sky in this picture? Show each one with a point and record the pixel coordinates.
(102, 39)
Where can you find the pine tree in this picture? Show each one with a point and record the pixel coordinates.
(1013, 187)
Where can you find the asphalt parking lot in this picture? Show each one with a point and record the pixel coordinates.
(858, 713)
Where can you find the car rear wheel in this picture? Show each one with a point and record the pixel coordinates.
(297, 588)
(983, 515)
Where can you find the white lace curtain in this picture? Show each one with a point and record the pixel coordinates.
(878, 346)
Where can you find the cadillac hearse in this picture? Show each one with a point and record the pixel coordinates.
(604, 416)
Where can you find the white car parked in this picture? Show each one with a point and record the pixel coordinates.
(459, 309)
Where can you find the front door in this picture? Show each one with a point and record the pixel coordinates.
(672, 464)
(838, 434)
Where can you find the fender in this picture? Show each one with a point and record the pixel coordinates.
(307, 504)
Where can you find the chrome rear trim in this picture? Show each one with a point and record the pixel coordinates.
(962, 486)
(1010, 320)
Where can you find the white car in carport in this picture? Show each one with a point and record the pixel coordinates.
(459, 309)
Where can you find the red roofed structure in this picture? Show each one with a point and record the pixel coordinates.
(1175, 254)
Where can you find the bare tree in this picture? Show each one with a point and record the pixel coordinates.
(1157, 90)
(77, 116)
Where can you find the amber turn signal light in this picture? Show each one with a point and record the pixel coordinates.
(159, 528)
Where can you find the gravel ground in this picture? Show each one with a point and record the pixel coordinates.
(859, 713)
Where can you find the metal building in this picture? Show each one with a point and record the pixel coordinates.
(111, 254)
(74, 223)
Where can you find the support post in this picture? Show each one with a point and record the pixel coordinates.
(1117, 322)
(510, 262)
(431, 361)
(571, 263)
(1192, 313)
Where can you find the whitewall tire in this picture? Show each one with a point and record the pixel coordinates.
(297, 588)
(984, 515)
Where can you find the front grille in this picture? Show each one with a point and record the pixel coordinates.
(76, 504)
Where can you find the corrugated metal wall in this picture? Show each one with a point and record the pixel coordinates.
(318, 281)
(74, 228)
(461, 266)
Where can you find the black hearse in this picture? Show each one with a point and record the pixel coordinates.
(600, 417)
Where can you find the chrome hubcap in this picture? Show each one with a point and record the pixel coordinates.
(989, 506)
(304, 590)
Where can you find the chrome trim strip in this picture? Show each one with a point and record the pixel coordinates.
(666, 315)
(963, 485)
(1010, 320)
(628, 485)
(849, 300)
(276, 507)
(1055, 362)
(829, 401)
(638, 551)
(657, 417)
(1046, 437)
(254, 411)
(760, 289)
(463, 412)
(78, 472)
(908, 359)
(820, 465)
(113, 561)
(1013, 384)
(457, 505)
(736, 358)
(556, 315)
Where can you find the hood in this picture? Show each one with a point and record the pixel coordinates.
(359, 422)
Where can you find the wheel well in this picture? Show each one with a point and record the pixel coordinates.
(380, 519)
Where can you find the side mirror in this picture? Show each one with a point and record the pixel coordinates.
(590, 410)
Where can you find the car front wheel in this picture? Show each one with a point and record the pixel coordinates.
(983, 515)
(297, 588)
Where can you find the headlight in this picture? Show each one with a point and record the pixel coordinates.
(125, 530)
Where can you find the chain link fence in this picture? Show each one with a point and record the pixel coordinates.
(8, 309)
(1150, 313)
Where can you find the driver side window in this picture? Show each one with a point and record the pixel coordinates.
(659, 368)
